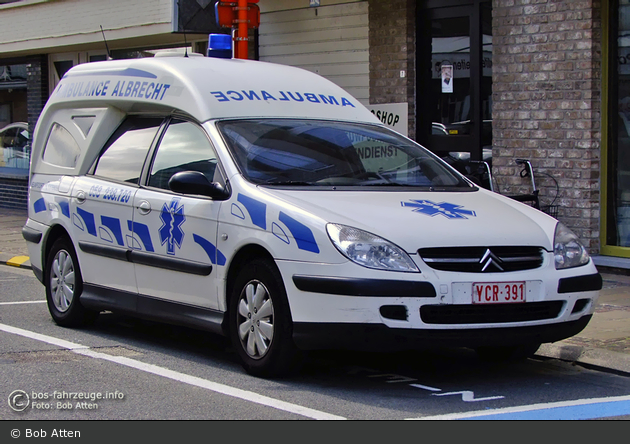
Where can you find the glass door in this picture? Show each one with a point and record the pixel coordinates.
(616, 192)
(454, 105)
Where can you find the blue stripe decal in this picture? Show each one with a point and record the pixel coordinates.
(236, 211)
(257, 210)
(143, 233)
(114, 225)
(216, 257)
(65, 208)
(39, 205)
(221, 260)
(279, 233)
(301, 233)
(88, 219)
(127, 72)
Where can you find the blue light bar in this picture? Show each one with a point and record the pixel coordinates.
(220, 46)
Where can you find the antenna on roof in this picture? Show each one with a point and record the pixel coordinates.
(109, 55)
(184, 31)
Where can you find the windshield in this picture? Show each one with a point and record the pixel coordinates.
(326, 153)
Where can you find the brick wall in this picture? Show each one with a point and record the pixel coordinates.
(392, 50)
(13, 193)
(546, 94)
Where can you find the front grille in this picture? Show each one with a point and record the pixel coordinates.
(491, 314)
(482, 259)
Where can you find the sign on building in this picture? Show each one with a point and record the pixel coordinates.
(394, 115)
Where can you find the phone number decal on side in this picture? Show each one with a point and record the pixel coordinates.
(117, 195)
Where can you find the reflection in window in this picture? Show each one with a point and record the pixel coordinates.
(61, 148)
(124, 158)
(184, 147)
(302, 152)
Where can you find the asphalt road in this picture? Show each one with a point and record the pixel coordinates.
(148, 371)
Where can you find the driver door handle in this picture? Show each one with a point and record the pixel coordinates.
(144, 207)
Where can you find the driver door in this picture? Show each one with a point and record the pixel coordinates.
(179, 263)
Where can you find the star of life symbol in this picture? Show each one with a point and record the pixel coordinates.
(448, 210)
(171, 232)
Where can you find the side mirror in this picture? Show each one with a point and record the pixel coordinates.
(194, 182)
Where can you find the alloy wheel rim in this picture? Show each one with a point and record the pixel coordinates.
(255, 319)
(62, 280)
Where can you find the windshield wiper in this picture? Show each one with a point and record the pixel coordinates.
(288, 182)
(387, 184)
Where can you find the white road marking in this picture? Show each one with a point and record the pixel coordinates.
(426, 387)
(22, 302)
(468, 396)
(176, 376)
(391, 377)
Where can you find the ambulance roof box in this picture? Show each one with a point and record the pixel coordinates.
(92, 99)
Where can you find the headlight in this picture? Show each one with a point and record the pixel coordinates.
(369, 250)
(568, 251)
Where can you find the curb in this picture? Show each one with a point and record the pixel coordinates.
(15, 261)
(594, 358)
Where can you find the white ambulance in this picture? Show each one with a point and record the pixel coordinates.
(265, 203)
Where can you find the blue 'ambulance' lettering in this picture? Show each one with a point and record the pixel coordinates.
(282, 96)
(235, 95)
(251, 95)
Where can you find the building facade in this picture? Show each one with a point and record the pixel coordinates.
(477, 80)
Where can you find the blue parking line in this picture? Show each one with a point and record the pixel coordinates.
(593, 408)
(575, 412)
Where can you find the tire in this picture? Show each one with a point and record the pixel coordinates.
(507, 353)
(260, 325)
(64, 285)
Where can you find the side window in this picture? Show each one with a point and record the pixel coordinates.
(61, 149)
(184, 147)
(123, 158)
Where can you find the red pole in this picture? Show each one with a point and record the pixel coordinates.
(241, 32)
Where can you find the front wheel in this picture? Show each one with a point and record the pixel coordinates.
(260, 322)
(64, 285)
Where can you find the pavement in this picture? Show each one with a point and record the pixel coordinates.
(604, 344)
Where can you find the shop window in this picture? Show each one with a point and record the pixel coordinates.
(618, 153)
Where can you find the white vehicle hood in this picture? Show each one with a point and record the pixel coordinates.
(414, 220)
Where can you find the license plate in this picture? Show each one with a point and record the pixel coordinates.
(498, 292)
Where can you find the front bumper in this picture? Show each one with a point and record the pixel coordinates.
(347, 306)
(379, 337)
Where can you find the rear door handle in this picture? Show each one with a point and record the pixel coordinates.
(81, 197)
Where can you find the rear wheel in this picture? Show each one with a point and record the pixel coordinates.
(260, 321)
(64, 285)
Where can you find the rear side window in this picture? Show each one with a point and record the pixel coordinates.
(124, 157)
(61, 149)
